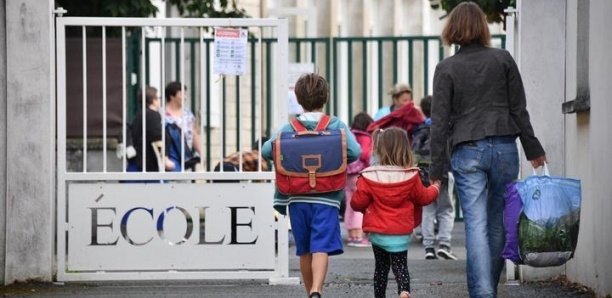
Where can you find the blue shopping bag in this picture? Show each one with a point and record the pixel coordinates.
(549, 219)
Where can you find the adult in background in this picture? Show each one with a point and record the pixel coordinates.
(250, 161)
(178, 118)
(401, 94)
(152, 133)
(478, 110)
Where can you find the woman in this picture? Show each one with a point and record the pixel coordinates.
(152, 133)
(401, 94)
(478, 110)
(178, 118)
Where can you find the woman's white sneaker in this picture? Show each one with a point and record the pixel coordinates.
(446, 253)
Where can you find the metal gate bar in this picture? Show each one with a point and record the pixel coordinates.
(74, 185)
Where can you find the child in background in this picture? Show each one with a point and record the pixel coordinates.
(314, 217)
(353, 220)
(391, 196)
(443, 209)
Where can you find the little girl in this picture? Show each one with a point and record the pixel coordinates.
(391, 195)
(352, 219)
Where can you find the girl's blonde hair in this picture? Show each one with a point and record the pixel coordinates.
(392, 147)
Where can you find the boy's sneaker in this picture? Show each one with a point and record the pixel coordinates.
(430, 253)
(446, 253)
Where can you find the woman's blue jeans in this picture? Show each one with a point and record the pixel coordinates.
(482, 169)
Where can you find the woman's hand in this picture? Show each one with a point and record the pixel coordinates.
(169, 165)
(538, 161)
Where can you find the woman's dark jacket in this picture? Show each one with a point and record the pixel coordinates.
(153, 133)
(478, 93)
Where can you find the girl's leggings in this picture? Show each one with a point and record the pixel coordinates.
(384, 260)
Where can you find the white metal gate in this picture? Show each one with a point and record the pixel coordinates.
(179, 225)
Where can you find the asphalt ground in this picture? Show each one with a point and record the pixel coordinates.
(349, 275)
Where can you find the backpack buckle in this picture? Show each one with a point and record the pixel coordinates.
(311, 162)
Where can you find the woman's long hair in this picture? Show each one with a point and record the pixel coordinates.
(466, 24)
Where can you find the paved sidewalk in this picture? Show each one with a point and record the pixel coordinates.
(349, 275)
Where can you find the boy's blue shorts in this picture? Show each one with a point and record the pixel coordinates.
(316, 228)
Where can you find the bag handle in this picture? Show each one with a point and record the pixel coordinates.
(545, 170)
(321, 126)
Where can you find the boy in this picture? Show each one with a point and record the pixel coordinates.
(314, 218)
(442, 209)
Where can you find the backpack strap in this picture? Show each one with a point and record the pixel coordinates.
(321, 126)
(297, 125)
(323, 123)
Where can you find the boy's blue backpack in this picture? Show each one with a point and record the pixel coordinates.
(421, 147)
(310, 162)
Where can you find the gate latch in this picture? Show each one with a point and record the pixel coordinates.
(60, 11)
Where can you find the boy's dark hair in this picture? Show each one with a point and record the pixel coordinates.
(172, 88)
(361, 121)
(150, 95)
(426, 106)
(312, 91)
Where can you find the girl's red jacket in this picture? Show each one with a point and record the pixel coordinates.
(391, 199)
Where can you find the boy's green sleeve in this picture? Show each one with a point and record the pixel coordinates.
(353, 150)
(266, 148)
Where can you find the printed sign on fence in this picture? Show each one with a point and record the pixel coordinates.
(230, 51)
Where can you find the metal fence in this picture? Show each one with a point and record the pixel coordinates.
(359, 69)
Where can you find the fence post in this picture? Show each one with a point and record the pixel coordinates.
(512, 271)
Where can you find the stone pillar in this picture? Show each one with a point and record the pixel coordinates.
(30, 104)
(325, 25)
(352, 26)
(291, 20)
(384, 24)
(2, 136)
(588, 139)
(541, 61)
(324, 17)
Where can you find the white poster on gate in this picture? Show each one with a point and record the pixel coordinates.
(155, 226)
(230, 51)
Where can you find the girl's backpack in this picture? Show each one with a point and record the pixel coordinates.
(310, 162)
(421, 147)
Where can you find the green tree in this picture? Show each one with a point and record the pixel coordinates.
(209, 8)
(144, 8)
(108, 8)
(494, 9)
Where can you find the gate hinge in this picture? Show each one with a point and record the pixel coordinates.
(60, 11)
